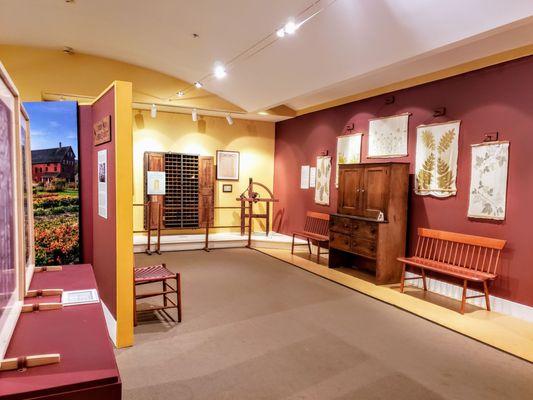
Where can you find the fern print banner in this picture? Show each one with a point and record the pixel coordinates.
(323, 176)
(488, 182)
(387, 137)
(437, 148)
(348, 152)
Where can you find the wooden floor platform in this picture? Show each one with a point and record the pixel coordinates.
(509, 334)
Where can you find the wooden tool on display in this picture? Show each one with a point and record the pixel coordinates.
(10, 364)
(49, 268)
(250, 196)
(40, 307)
(44, 293)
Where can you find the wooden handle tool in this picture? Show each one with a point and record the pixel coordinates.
(49, 268)
(40, 307)
(10, 364)
(44, 292)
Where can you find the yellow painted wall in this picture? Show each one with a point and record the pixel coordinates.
(37, 70)
(178, 133)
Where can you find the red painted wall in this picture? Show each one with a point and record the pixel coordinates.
(99, 235)
(498, 98)
(85, 145)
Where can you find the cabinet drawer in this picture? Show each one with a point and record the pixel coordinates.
(364, 229)
(340, 224)
(339, 241)
(363, 247)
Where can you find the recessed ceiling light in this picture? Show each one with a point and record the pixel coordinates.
(181, 93)
(263, 113)
(219, 71)
(198, 84)
(290, 27)
(280, 32)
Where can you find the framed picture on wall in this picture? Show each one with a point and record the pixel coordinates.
(228, 165)
(227, 188)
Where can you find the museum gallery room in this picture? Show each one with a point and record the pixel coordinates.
(277, 199)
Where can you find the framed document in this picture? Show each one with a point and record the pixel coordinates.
(227, 165)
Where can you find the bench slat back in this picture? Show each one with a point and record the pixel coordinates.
(473, 252)
(317, 223)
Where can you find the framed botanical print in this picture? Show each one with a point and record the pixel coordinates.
(228, 165)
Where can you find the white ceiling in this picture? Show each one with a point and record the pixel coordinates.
(352, 46)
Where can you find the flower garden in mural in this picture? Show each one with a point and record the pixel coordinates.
(56, 225)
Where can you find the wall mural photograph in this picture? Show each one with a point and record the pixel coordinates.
(54, 170)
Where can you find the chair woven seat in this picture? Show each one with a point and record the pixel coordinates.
(152, 273)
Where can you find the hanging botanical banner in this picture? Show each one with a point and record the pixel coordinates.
(488, 182)
(348, 152)
(387, 137)
(323, 175)
(436, 159)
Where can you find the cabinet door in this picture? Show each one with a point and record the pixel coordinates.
(350, 182)
(375, 191)
(153, 162)
(206, 191)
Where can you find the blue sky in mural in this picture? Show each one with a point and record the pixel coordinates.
(52, 122)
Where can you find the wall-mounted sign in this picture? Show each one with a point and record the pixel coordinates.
(102, 131)
(102, 183)
(155, 182)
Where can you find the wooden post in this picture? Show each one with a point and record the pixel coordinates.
(149, 226)
(250, 212)
(207, 216)
(159, 220)
(243, 217)
(267, 218)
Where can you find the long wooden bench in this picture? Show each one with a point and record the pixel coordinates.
(316, 228)
(466, 257)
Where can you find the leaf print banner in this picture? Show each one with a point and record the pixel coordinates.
(323, 175)
(488, 182)
(387, 137)
(437, 148)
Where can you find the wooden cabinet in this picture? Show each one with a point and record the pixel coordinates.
(369, 230)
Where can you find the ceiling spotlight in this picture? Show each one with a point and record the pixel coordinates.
(280, 32)
(229, 119)
(219, 71)
(181, 93)
(68, 50)
(198, 84)
(153, 111)
(290, 27)
(194, 115)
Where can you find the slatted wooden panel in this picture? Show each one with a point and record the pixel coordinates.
(317, 223)
(181, 199)
(465, 251)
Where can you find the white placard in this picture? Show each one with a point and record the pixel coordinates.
(312, 177)
(304, 177)
(77, 297)
(155, 182)
(102, 183)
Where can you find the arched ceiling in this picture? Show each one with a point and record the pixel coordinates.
(352, 46)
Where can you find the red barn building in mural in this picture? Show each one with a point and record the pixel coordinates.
(58, 162)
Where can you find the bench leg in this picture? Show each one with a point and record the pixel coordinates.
(318, 253)
(463, 300)
(309, 246)
(424, 280)
(486, 290)
(178, 295)
(134, 303)
(292, 247)
(402, 281)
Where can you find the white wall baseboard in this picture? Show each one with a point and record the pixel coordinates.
(497, 304)
(110, 322)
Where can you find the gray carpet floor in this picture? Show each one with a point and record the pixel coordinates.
(258, 328)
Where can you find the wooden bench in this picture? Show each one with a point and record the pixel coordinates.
(466, 257)
(316, 228)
